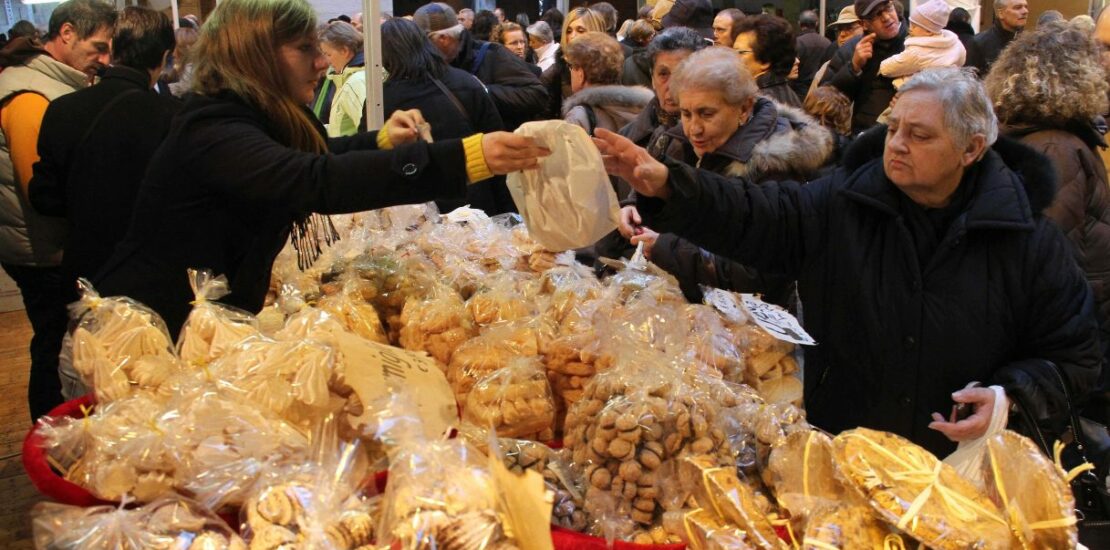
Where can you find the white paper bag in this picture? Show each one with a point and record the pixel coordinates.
(568, 201)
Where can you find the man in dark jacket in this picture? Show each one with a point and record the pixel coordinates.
(518, 94)
(923, 265)
(1009, 20)
(96, 143)
(854, 70)
(812, 49)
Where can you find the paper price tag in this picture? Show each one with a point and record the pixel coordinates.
(776, 321)
(374, 370)
(726, 303)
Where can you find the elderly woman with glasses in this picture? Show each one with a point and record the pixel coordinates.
(727, 128)
(924, 264)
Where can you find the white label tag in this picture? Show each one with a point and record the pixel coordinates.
(374, 370)
(776, 321)
(727, 304)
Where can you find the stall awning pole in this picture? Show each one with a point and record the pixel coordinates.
(176, 14)
(824, 8)
(372, 53)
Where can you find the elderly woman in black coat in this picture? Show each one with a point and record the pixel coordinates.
(728, 129)
(924, 264)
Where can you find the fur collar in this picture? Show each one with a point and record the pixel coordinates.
(632, 97)
(787, 141)
(1035, 171)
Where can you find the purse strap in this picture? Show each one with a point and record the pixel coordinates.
(454, 99)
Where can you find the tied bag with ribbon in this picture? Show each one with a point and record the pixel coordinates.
(567, 202)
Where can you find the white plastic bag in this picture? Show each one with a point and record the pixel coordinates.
(568, 201)
(968, 457)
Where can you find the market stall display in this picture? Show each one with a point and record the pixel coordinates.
(682, 423)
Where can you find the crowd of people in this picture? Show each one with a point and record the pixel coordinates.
(932, 225)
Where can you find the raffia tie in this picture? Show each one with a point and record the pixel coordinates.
(917, 470)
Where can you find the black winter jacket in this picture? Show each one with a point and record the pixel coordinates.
(91, 175)
(870, 91)
(986, 47)
(777, 87)
(1000, 298)
(516, 91)
(222, 193)
(448, 123)
(778, 143)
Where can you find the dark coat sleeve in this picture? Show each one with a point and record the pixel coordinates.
(241, 161)
(975, 57)
(1058, 343)
(47, 189)
(694, 266)
(840, 73)
(770, 226)
(517, 92)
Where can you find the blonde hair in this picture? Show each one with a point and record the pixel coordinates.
(592, 20)
(498, 34)
(1049, 75)
(236, 53)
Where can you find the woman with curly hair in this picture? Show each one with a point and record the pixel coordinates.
(766, 44)
(1049, 90)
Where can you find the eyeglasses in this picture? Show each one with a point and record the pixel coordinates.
(879, 10)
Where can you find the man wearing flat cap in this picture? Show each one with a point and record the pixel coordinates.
(518, 94)
(854, 70)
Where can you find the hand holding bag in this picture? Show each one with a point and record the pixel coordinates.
(567, 202)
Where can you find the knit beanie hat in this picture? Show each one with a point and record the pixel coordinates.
(931, 16)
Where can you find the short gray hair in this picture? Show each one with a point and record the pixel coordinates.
(342, 34)
(716, 68)
(1000, 5)
(967, 108)
(453, 32)
(542, 31)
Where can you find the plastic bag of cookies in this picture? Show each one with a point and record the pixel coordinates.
(631, 421)
(490, 352)
(316, 504)
(119, 345)
(802, 475)
(170, 523)
(848, 526)
(358, 315)
(917, 493)
(440, 495)
(514, 401)
(212, 329)
(559, 477)
(438, 324)
(1033, 492)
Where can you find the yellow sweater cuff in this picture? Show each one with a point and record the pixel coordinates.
(476, 167)
(383, 140)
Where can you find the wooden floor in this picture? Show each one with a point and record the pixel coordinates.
(17, 495)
